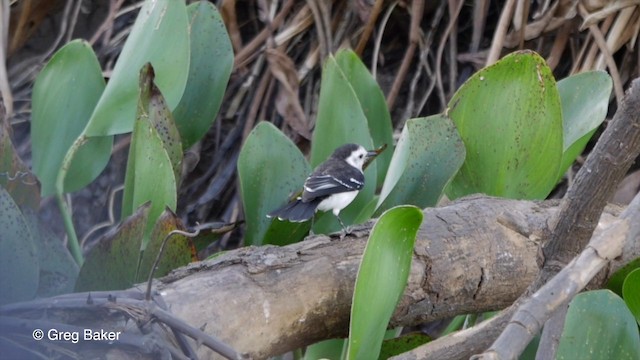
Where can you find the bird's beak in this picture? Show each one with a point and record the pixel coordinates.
(372, 154)
(375, 152)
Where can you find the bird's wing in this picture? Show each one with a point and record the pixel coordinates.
(321, 185)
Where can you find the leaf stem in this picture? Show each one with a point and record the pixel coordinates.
(74, 245)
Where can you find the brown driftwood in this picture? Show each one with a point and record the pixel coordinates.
(474, 255)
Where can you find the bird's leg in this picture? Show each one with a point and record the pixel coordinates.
(345, 230)
(313, 218)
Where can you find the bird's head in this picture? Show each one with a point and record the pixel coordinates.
(354, 154)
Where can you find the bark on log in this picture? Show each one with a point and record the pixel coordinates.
(474, 255)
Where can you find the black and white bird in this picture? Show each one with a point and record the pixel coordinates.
(332, 186)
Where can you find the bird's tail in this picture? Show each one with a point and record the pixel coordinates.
(296, 211)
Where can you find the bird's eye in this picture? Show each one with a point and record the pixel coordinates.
(360, 156)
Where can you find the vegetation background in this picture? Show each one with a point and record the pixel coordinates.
(419, 52)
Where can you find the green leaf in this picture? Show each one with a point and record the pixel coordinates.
(617, 279)
(585, 100)
(153, 105)
(15, 176)
(177, 252)
(159, 36)
(58, 270)
(367, 211)
(209, 72)
(340, 120)
(509, 118)
(529, 353)
(283, 233)
(19, 269)
(270, 169)
(381, 279)
(64, 96)
(373, 104)
(428, 155)
(328, 349)
(155, 155)
(631, 293)
(599, 326)
(402, 344)
(112, 262)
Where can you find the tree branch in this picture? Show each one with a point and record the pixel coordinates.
(537, 309)
(595, 183)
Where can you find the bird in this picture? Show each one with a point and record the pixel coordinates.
(331, 186)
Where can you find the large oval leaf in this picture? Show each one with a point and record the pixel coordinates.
(585, 100)
(340, 120)
(428, 155)
(112, 263)
(599, 326)
(209, 70)
(510, 120)
(159, 36)
(381, 279)
(19, 270)
(373, 104)
(64, 96)
(271, 169)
